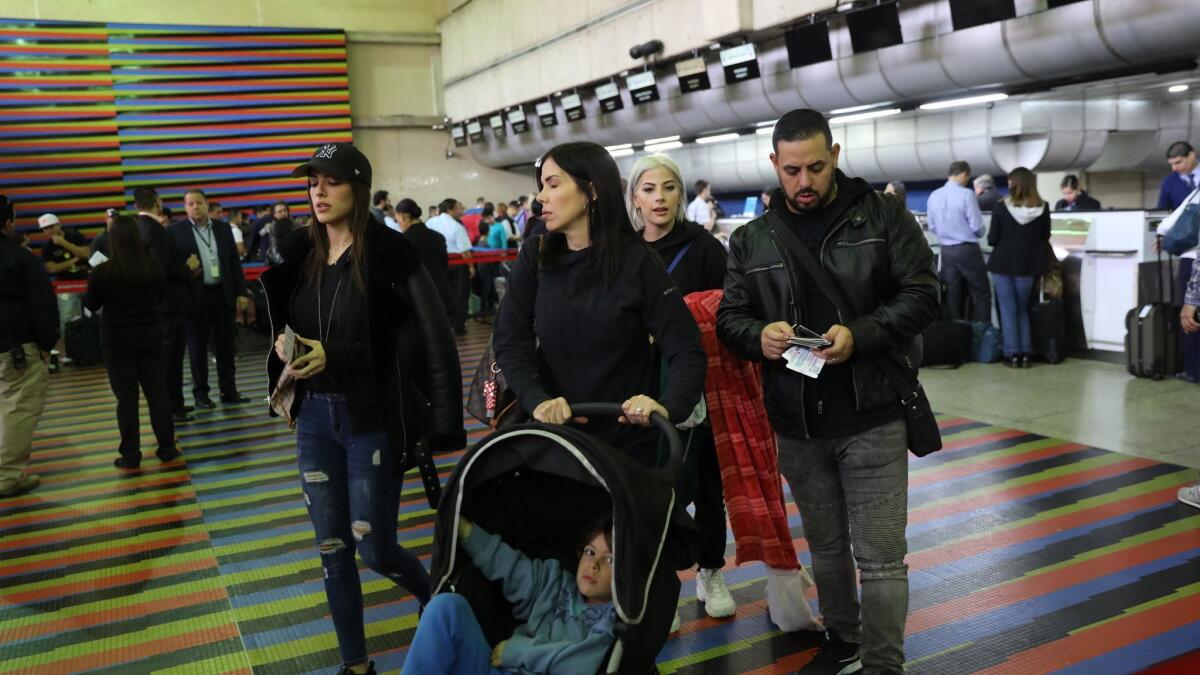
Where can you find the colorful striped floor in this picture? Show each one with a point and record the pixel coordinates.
(1027, 554)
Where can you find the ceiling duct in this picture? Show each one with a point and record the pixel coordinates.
(1078, 39)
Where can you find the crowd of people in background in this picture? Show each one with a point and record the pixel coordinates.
(612, 269)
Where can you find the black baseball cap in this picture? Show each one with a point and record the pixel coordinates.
(342, 160)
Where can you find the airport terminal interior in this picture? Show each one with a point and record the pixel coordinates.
(1056, 530)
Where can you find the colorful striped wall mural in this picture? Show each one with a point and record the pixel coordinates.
(89, 112)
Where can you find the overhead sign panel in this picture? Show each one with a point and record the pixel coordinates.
(546, 114)
(609, 97)
(693, 75)
(740, 63)
(573, 107)
(642, 88)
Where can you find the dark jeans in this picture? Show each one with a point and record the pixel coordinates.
(852, 494)
(1013, 295)
(352, 491)
(963, 264)
(460, 287)
(1191, 341)
(702, 486)
(214, 315)
(449, 641)
(125, 375)
(175, 346)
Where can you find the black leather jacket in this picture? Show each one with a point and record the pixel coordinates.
(878, 257)
(413, 357)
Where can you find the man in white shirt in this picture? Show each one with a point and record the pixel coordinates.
(448, 223)
(700, 211)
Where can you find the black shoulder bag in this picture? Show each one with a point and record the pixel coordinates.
(924, 437)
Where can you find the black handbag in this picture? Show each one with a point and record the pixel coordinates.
(924, 436)
(490, 400)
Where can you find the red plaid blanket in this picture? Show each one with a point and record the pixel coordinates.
(745, 446)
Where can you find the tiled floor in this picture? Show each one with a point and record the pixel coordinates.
(1027, 553)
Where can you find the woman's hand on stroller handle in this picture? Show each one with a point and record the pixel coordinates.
(555, 411)
(639, 408)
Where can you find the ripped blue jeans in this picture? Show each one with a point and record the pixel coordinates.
(353, 497)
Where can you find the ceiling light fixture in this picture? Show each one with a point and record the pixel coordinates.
(857, 108)
(717, 138)
(623, 152)
(845, 119)
(664, 139)
(616, 148)
(765, 131)
(661, 147)
(959, 102)
(768, 123)
(1177, 88)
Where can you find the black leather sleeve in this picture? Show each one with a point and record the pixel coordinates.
(442, 374)
(737, 325)
(42, 302)
(915, 302)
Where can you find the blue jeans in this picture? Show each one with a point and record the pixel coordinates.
(1013, 294)
(852, 494)
(449, 640)
(353, 497)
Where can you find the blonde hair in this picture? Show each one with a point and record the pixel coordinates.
(648, 163)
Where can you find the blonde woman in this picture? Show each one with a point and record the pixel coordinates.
(696, 262)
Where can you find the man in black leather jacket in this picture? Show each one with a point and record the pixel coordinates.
(842, 437)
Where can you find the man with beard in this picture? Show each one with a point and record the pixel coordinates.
(840, 425)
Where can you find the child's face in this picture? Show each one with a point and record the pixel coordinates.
(594, 576)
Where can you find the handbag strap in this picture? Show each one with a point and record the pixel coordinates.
(679, 257)
(900, 381)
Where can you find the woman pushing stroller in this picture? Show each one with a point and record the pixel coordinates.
(568, 616)
(598, 293)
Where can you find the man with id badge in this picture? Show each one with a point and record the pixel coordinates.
(830, 289)
(218, 289)
(28, 330)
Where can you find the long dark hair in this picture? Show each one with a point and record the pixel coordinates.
(360, 217)
(592, 168)
(130, 263)
(1022, 188)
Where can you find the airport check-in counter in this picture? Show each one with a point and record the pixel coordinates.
(1103, 254)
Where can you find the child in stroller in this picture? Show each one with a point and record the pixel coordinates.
(568, 617)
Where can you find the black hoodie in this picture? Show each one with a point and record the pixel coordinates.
(829, 399)
(702, 268)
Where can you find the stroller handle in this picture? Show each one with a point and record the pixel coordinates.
(614, 410)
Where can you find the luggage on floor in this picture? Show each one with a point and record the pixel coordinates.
(1048, 328)
(1152, 345)
(947, 343)
(985, 342)
(83, 341)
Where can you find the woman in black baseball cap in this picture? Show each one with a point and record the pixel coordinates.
(364, 365)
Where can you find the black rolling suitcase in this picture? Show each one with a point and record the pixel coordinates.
(1048, 328)
(1152, 345)
(83, 341)
(946, 343)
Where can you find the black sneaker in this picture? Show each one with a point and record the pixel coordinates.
(124, 462)
(835, 656)
(346, 670)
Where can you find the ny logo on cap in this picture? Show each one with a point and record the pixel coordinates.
(326, 151)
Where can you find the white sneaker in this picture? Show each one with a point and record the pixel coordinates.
(1190, 495)
(712, 591)
(675, 623)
